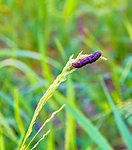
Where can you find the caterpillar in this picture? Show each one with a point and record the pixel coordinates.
(87, 60)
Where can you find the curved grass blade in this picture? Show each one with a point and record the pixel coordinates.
(28, 54)
(21, 66)
(6, 52)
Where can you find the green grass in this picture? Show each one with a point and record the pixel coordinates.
(36, 40)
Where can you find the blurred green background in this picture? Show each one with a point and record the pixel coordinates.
(36, 40)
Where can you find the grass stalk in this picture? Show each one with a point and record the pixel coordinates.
(60, 78)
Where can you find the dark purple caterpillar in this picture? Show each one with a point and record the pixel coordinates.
(87, 60)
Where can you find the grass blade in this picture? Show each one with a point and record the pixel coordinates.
(2, 144)
(21, 66)
(92, 131)
(70, 143)
(17, 112)
(127, 137)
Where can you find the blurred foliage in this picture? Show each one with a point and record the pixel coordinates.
(36, 40)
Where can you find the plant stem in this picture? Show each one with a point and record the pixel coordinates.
(61, 78)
